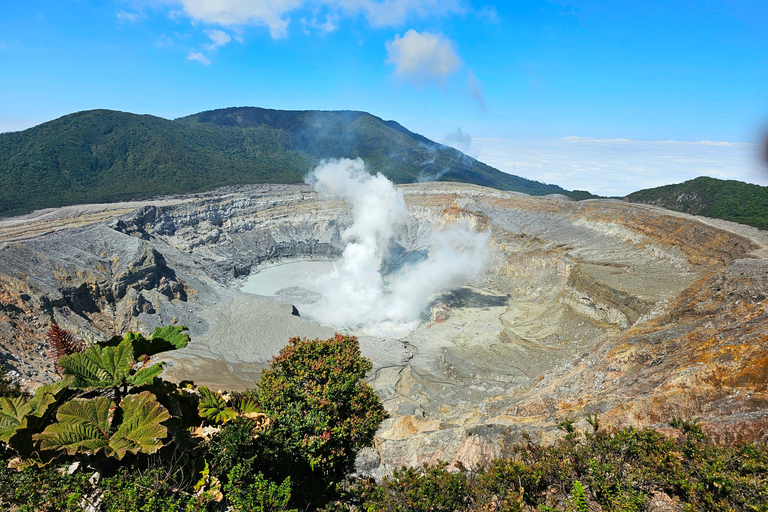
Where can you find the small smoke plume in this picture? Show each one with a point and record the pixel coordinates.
(461, 141)
(428, 168)
(355, 294)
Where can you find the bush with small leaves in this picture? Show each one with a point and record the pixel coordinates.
(47, 489)
(323, 413)
(251, 492)
(432, 488)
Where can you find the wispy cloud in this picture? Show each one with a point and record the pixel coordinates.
(199, 57)
(617, 167)
(392, 13)
(422, 58)
(130, 16)
(330, 24)
(489, 14)
(275, 14)
(164, 41)
(218, 39)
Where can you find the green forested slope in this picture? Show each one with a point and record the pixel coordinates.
(729, 200)
(386, 146)
(103, 156)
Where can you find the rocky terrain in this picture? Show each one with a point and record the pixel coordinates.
(631, 311)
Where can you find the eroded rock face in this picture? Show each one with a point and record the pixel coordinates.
(633, 312)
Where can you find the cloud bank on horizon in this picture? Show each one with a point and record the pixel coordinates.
(614, 167)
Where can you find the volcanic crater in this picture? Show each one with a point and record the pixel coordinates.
(631, 311)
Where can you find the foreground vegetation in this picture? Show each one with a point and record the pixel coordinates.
(114, 435)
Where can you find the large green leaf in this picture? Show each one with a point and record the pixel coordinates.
(213, 407)
(21, 418)
(162, 339)
(145, 376)
(141, 429)
(174, 335)
(13, 413)
(57, 389)
(99, 366)
(83, 425)
(245, 405)
(18, 413)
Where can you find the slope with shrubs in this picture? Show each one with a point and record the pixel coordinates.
(624, 470)
(720, 199)
(107, 156)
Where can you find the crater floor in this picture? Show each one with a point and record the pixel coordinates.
(634, 312)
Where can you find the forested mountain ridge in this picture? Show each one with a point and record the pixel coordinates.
(721, 199)
(105, 156)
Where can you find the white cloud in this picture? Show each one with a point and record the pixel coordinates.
(274, 14)
(329, 25)
(422, 58)
(617, 167)
(476, 90)
(243, 12)
(218, 38)
(199, 57)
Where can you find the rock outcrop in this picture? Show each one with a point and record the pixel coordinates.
(630, 311)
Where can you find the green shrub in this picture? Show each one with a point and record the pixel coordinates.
(424, 489)
(578, 498)
(49, 489)
(323, 414)
(151, 490)
(249, 492)
(232, 445)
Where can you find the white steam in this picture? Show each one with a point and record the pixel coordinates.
(355, 294)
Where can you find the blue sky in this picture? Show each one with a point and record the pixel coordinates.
(687, 71)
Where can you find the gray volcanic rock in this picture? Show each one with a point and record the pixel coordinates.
(631, 311)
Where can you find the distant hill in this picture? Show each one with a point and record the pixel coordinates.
(106, 156)
(729, 200)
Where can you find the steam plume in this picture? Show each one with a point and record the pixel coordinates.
(356, 294)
